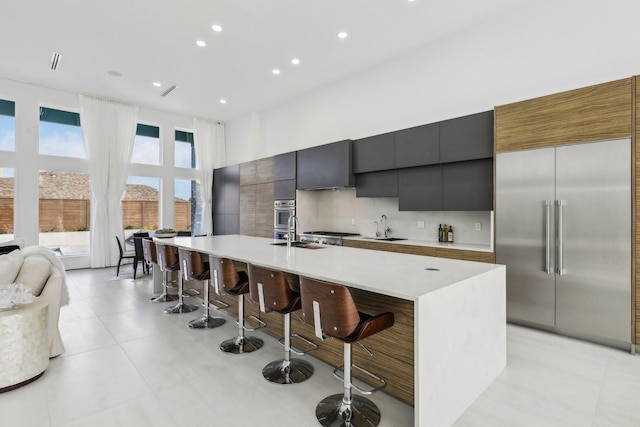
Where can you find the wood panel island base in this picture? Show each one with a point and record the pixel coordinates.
(449, 340)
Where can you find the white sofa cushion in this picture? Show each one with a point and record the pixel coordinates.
(34, 273)
(10, 266)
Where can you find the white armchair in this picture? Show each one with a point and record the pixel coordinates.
(39, 269)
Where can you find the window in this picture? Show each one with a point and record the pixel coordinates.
(185, 156)
(146, 146)
(188, 206)
(7, 125)
(7, 189)
(140, 204)
(60, 133)
(64, 211)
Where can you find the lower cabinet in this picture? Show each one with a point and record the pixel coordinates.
(464, 255)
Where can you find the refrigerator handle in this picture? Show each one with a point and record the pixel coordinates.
(547, 266)
(560, 264)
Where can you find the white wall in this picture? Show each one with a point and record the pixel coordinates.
(539, 48)
(27, 162)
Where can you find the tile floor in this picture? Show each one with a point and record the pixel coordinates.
(128, 364)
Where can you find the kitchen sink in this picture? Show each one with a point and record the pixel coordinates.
(293, 244)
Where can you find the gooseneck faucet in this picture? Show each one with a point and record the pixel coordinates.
(291, 229)
(385, 226)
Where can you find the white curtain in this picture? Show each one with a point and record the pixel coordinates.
(209, 141)
(108, 129)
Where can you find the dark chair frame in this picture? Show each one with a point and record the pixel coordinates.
(123, 255)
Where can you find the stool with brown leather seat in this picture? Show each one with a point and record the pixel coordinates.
(151, 258)
(228, 281)
(272, 291)
(330, 309)
(194, 268)
(168, 261)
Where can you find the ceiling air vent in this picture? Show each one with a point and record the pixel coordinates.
(55, 59)
(168, 91)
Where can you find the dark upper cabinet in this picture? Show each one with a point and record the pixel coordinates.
(467, 138)
(226, 200)
(285, 166)
(420, 188)
(325, 166)
(377, 184)
(468, 186)
(284, 189)
(375, 153)
(417, 146)
(232, 190)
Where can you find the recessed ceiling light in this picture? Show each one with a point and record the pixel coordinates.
(217, 28)
(223, 101)
(201, 43)
(343, 35)
(157, 84)
(295, 61)
(114, 73)
(275, 71)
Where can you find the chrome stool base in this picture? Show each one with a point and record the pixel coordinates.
(333, 412)
(239, 345)
(282, 372)
(180, 308)
(207, 322)
(164, 297)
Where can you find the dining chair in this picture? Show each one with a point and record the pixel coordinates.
(123, 255)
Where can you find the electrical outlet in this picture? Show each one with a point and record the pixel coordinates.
(478, 226)
(420, 224)
(353, 221)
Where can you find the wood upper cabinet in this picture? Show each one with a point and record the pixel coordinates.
(264, 170)
(325, 166)
(417, 146)
(592, 113)
(467, 138)
(375, 153)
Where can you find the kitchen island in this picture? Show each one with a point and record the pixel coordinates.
(459, 314)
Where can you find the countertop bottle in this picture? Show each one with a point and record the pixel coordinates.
(450, 234)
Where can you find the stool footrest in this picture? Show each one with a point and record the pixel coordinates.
(256, 323)
(339, 373)
(297, 350)
(218, 305)
(191, 292)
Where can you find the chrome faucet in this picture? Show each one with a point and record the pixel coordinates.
(292, 222)
(385, 226)
(377, 229)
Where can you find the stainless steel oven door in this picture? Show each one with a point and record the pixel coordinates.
(282, 211)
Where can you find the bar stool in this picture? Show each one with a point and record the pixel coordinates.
(169, 262)
(272, 291)
(330, 309)
(228, 281)
(194, 268)
(151, 257)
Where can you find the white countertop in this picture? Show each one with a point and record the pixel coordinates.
(388, 273)
(427, 243)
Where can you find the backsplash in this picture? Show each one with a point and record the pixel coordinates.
(334, 210)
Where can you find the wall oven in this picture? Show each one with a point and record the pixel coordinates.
(282, 211)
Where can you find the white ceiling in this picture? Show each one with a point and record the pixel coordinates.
(154, 40)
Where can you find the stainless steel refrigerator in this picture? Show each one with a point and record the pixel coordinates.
(563, 229)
